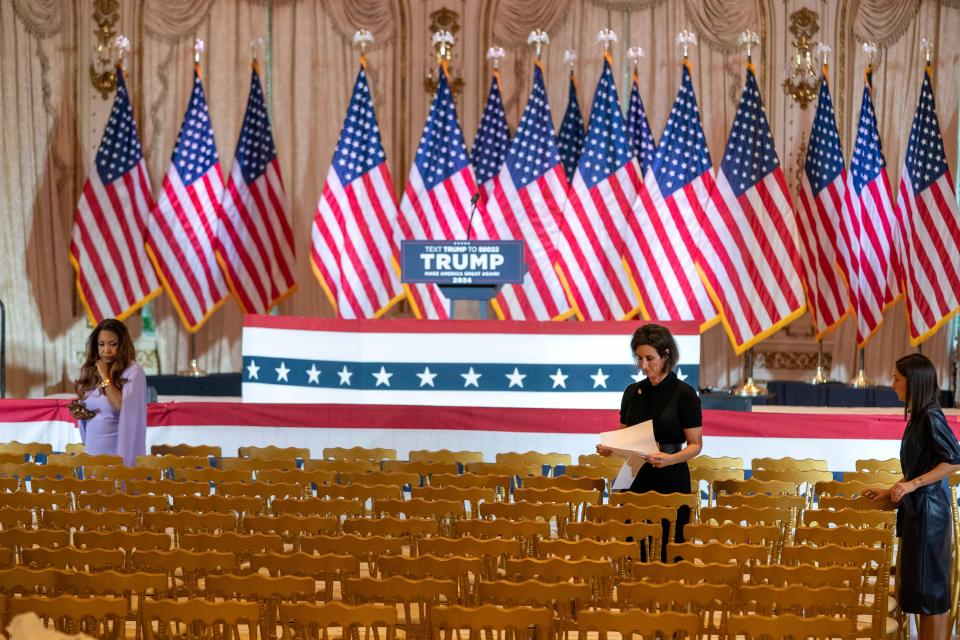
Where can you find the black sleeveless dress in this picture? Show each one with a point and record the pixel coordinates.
(673, 406)
(923, 517)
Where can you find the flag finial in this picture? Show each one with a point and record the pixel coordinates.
(495, 54)
(749, 39)
(121, 46)
(870, 48)
(634, 54)
(823, 50)
(255, 45)
(606, 38)
(537, 39)
(685, 39)
(198, 48)
(362, 38)
(927, 47)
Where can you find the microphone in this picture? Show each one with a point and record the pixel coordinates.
(474, 199)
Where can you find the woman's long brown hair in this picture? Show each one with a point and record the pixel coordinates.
(126, 353)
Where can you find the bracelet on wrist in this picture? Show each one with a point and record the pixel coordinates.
(106, 383)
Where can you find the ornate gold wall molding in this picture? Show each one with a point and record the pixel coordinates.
(103, 75)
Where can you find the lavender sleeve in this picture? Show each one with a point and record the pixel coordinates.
(132, 427)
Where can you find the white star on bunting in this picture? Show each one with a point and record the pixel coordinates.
(471, 378)
(282, 372)
(253, 371)
(600, 379)
(426, 378)
(382, 376)
(345, 375)
(559, 379)
(313, 374)
(515, 378)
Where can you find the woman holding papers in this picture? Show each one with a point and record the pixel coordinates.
(929, 452)
(674, 408)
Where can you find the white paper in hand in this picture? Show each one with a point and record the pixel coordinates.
(632, 443)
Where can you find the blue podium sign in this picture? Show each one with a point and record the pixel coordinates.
(462, 262)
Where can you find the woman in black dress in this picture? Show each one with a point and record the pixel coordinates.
(929, 452)
(673, 406)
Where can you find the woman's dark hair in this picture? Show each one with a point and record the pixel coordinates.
(126, 353)
(660, 338)
(922, 389)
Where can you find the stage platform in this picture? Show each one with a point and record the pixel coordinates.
(840, 437)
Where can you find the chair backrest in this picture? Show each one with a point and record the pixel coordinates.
(653, 499)
(533, 458)
(71, 485)
(98, 617)
(85, 519)
(769, 600)
(445, 455)
(77, 559)
(845, 536)
(362, 492)
(782, 516)
(26, 449)
(121, 502)
(419, 508)
(524, 529)
(170, 461)
(599, 574)
(239, 543)
(447, 622)
(861, 503)
(878, 476)
(422, 468)
(396, 479)
(261, 489)
(314, 621)
(256, 586)
(599, 461)
(790, 626)
(26, 538)
(342, 466)
(504, 469)
(742, 554)
(808, 575)
(274, 453)
(631, 623)
(113, 583)
(291, 527)
(755, 486)
(27, 580)
(800, 464)
(120, 473)
(850, 518)
(734, 533)
(167, 487)
(317, 506)
(687, 572)
(223, 504)
(210, 451)
(472, 496)
(526, 511)
(501, 483)
(677, 596)
(629, 513)
(375, 454)
(161, 616)
(391, 526)
(614, 550)
(305, 479)
(184, 568)
(258, 464)
(715, 462)
(891, 465)
(126, 540)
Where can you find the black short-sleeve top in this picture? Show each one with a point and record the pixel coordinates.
(672, 405)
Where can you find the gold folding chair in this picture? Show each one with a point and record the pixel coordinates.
(790, 626)
(98, 617)
(630, 624)
(223, 620)
(800, 464)
(329, 570)
(464, 571)
(303, 621)
(364, 549)
(186, 570)
(375, 454)
(267, 592)
(274, 453)
(445, 456)
(599, 574)
(415, 599)
(564, 599)
(92, 560)
(709, 602)
(493, 551)
(490, 621)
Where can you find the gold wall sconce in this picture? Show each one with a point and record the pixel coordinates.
(802, 79)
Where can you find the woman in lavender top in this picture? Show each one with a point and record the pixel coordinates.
(112, 388)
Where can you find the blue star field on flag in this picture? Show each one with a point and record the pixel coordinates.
(359, 149)
(682, 154)
(442, 151)
(534, 151)
(493, 137)
(824, 156)
(255, 149)
(120, 149)
(638, 129)
(195, 151)
(867, 160)
(925, 160)
(750, 154)
(571, 134)
(606, 148)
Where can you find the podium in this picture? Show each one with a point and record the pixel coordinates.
(468, 272)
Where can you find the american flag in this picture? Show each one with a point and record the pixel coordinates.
(595, 216)
(749, 251)
(436, 200)
(254, 240)
(930, 224)
(114, 276)
(352, 248)
(571, 134)
(869, 252)
(665, 221)
(492, 140)
(638, 128)
(526, 203)
(821, 201)
(182, 230)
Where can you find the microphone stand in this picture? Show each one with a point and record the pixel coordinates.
(474, 199)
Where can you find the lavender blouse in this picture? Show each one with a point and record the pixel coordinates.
(122, 432)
